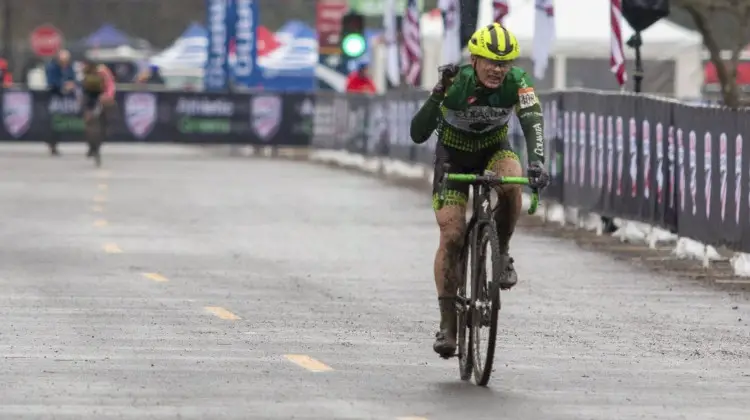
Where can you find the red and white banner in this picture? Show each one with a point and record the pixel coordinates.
(500, 9)
(617, 54)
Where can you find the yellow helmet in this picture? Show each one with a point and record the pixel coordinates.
(494, 42)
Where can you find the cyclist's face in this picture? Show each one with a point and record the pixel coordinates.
(491, 73)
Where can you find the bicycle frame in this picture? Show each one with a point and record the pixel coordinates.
(481, 187)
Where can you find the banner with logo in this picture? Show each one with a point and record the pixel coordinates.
(680, 167)
(683, 168)
(262, 119)
(218, 15)
(244, 20)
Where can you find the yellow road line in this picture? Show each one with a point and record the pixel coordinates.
(100, 223)
(222, 313)
(103, 174)
(155, 277)
(97, 209)
(102, 187)
(100, 199)
(308, 363)
(112, 249)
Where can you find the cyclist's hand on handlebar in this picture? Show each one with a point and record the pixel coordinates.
(447, 73)
(538, 175)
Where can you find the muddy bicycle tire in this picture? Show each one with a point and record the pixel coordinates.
(484, 353)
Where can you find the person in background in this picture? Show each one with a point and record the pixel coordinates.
(99, 89)
(61, 82)
(359, 81)
(150, 76)
(5, 75)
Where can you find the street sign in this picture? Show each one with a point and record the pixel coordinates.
(46, 40)
(328, 25)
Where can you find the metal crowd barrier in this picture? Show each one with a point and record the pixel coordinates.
(636, 157)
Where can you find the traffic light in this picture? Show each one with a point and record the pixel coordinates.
(353, 35)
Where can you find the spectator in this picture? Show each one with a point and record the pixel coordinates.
(61, 82)
(359, 81)
(151, 76)
(5, 75)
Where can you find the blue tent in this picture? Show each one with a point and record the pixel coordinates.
(195, 30)
(107, 36)
(298, 29)
(293, 67)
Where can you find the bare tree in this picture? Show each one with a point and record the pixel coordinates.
(734, 15)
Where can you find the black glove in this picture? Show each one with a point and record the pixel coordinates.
(538, 175)
(447, 73)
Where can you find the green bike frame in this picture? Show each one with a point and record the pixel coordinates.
(491, 180)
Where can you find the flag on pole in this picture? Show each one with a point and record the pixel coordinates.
(412, 52)
(544, 36)
(391, 43)
(617, 54)
(451, 31)
(500, 9)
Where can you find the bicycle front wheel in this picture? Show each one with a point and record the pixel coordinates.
(463, 306)
(486, 304)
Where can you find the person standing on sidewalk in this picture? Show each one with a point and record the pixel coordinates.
(61, 82)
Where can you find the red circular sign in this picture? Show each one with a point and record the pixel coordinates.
(46, 40)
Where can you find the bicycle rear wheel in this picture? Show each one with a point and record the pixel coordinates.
(486, 306)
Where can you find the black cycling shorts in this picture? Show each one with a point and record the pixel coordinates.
(90, 100)
(457, 193)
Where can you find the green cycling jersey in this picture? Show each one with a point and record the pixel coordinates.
(470, 117)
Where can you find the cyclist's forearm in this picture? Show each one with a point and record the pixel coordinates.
(425, 121)
(532, 124)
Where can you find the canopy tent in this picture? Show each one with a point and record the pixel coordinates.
(195, 30)
(107, 36)
(297, 29)
(188, 51)
(286, 60)
(582, 30)
(289, 63)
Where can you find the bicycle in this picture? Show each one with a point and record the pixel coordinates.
(481, 308)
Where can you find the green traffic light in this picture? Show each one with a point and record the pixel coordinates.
(353, 45)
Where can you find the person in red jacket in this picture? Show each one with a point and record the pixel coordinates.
(7, 77)
(359, 81)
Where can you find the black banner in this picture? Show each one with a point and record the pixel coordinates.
(260, 118)
(683, 168)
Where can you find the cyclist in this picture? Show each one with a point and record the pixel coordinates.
(471, 107)
(98, 85)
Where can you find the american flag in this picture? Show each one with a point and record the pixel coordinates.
(412, 51)
(500, 10)
(617, 55)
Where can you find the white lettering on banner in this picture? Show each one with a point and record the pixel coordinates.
(205, 107)
(692, 137)
(245, 38)
(633, 152)
(218, 33)
(59, 105)
(708, 173)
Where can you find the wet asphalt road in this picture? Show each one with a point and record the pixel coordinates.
(176, 283)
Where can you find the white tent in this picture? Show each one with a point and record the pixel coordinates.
(187, 53)
(583, 31)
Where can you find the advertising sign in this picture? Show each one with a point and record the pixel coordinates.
(245, 24)
(217, 62)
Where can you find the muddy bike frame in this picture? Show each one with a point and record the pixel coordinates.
(481, 308)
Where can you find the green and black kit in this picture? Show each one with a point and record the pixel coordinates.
(472, 126)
